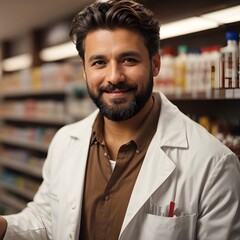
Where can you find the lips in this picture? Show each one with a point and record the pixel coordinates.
(117, 88)
(119, 91)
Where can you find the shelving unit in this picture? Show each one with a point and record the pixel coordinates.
(30, 116)
(35, 171)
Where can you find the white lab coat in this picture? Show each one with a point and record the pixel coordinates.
(184, 163)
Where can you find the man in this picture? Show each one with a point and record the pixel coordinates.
(138, 168)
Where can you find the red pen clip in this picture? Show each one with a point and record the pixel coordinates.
(171, 209)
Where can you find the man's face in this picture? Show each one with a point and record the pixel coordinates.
(119, 72)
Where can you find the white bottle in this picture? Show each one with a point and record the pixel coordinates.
(205, 70)
(192, 72)
(180, 64)
(215, 62)
(165, 81)
(230, 60)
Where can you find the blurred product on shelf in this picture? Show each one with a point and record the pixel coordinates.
(180, 67)
(35, 135)
(166, 78)
(32, 108)
(13, 158)
(225, 131)
(20, 183)
(230, 57)
(11, 202)
(46, 77)
(205, 70)
(193, 71)
(215, 66)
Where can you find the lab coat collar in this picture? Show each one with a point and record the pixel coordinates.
(171, 131)
(84, 125)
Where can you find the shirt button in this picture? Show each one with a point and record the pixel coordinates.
(107, 197)
(70, 236)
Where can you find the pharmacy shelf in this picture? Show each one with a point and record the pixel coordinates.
(33, 92)
(216, 94)
(21, 167)
(24, 143)
(18, 189)
(227, 109)
(58, 120)
(15, 203)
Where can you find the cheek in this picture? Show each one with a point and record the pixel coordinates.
(94, 79)
(142, 78)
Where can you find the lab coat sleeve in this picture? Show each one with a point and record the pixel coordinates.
(34, 222)
(219, 216)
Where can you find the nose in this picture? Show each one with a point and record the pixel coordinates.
(115, 73)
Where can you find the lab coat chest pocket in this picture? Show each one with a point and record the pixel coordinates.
(174, 228)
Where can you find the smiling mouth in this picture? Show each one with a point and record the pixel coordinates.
(116, 91)
(119, 88)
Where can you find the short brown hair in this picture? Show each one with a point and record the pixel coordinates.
(113, 14)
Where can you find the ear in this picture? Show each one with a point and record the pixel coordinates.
(83, 68)
(156, 62)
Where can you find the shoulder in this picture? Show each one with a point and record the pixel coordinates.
(199, 146)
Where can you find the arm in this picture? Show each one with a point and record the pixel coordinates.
(3, 227)
(219, 216)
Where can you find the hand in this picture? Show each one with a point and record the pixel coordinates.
(3, 227)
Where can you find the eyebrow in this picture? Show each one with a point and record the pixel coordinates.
(130, 53)
(95, 57)
(122, 55)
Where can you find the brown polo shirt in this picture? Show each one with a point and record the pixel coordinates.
(107, 191)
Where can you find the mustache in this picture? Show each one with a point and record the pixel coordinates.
(110, 87)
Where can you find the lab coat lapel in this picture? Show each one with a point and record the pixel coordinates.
(77, 152)
(156, 168)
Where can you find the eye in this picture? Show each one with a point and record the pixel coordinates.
(130, 61)
(98, 63)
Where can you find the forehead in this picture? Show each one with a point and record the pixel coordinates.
(108, 40)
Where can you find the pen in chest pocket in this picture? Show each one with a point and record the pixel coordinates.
(167, 211)
(171, 209)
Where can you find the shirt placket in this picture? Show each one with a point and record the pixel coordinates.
(106, 202)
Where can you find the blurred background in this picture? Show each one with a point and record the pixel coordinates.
(42, 88)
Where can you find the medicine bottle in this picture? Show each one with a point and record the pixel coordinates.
(165, 81)
(181, 61)
(230, 56)
(216, 71)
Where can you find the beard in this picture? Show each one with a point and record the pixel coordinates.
(121, 109)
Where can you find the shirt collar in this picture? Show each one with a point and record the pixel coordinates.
(149, 124)
(97, 130)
